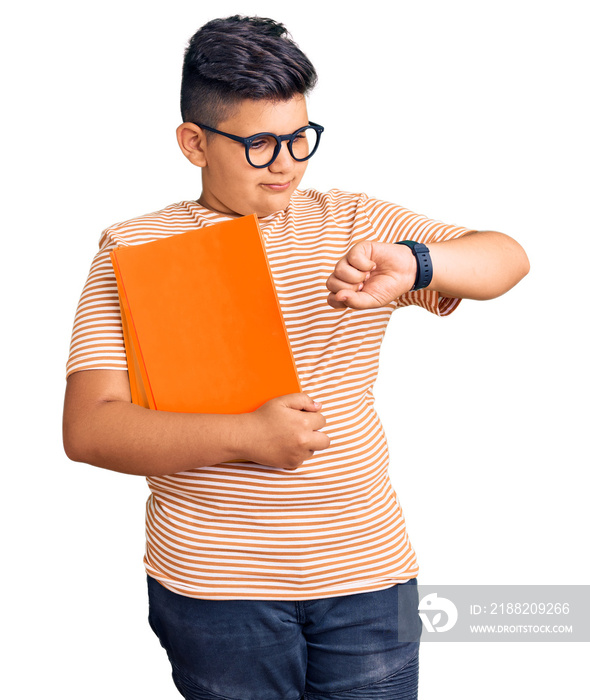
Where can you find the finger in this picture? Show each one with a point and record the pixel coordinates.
(331, 299)
(353, 300)
(359, 257)
(316, 421)
(335, 285)
(320, 441)
(301, 402)
(346, 272)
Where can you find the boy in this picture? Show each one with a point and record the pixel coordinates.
(292, 576)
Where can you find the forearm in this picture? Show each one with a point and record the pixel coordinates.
(123, 437)
(480, 265)
(102, 427)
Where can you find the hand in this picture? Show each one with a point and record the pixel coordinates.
(285, 431)
(371, 274)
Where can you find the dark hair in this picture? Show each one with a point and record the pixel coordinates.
(237, 58)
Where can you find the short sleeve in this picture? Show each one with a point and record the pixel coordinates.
(97, 337)
(392, 223)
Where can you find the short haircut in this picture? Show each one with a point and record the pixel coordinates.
(238, 58)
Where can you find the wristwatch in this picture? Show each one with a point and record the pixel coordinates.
(423, 263)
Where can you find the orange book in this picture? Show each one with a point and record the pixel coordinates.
(202, 323)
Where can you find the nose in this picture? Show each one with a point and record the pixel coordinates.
(283, 162)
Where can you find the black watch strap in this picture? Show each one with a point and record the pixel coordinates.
(423, 263)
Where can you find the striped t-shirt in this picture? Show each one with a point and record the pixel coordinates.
(333, 526)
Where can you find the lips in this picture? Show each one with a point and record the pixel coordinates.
(277, 186)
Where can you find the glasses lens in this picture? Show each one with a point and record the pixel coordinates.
(262, 149)
(304, 143)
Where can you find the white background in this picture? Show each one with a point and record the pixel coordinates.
(474, 113)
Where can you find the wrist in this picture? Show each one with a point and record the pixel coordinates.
(423, 264)
(409, 267)
(242, 436)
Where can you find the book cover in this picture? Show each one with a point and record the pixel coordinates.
(202, 322)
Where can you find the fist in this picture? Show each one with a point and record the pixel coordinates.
(371, 274)
(287, 431)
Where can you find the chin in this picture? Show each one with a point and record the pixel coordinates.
(273, 204)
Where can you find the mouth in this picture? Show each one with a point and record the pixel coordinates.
(277, 186)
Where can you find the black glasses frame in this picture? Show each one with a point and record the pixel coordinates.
(248, 141)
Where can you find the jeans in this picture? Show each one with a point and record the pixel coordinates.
(341, 648)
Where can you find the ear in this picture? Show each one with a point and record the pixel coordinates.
(193, 143)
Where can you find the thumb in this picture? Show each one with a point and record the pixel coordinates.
(301, 402)
(354, 300)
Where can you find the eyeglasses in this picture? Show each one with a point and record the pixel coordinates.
(263, 149)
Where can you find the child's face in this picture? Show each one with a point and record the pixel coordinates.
(230, 184)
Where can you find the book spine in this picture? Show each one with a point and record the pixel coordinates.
(141, 393)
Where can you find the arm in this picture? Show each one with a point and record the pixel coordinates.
(479, 265)
(102, 427)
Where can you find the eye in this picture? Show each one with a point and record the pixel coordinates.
(262, 142)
